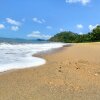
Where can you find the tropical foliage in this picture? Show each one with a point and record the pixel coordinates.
(71, 37)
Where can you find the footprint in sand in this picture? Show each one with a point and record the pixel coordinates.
(60, 69)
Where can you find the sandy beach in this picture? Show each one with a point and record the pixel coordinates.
(72, 73)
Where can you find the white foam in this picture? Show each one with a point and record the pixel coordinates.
(18, 56)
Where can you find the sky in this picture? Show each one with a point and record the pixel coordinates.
(44, 18)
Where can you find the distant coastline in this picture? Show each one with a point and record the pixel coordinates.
(20, 40)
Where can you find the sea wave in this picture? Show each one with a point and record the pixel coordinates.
(18, 56)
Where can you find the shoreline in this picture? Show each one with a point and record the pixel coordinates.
(72, 73)
(52, 51)
(38, 55)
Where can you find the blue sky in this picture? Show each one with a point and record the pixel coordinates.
(44, 18)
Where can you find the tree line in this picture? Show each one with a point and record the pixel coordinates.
(71, 37)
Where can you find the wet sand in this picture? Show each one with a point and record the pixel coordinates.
(72, 73)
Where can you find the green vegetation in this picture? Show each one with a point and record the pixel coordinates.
(70, 37)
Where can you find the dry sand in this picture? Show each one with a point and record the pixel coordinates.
(70, 74)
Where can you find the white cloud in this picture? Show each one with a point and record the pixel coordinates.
(84, 2)
(37, 34)
(2, 26)
(91, 27)
(38, 20)
(79, 26)
(61, 29)
(14, 28)
(80, 33)
(49, 27)
(13, 22)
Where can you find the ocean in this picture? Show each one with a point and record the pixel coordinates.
(18, 55)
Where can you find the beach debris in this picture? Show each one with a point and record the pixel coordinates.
(77, 68)
(59, 71)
